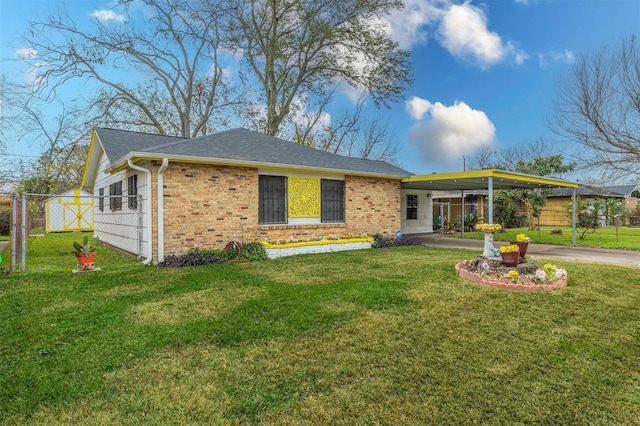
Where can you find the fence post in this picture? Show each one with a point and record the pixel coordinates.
(23, 233)
(14, 219)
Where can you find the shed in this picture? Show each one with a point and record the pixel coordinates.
(70, 211)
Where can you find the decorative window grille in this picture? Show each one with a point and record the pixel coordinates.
(272, 196)
(332, 200)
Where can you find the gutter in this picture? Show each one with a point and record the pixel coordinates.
(148, 208)
(160, 216)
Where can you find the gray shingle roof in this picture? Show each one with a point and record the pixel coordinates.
(241, 146)
(118, 143)
(585, 191)
(626, 190)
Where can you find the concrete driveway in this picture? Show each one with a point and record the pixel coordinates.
(586, 254)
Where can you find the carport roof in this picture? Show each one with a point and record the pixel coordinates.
(479, 179)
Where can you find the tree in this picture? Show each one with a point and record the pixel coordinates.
(313, 47)
(350, 135)
(589, 215)
(598, 107)
(164, 76)
(535, 199)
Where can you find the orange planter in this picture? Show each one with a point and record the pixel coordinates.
(86, 262)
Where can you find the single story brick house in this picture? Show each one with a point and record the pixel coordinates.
(242, 185)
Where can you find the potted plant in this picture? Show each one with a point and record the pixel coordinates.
(510, 254)
(522, 241)
(85, 253)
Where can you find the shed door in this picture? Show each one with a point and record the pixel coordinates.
(78, 216)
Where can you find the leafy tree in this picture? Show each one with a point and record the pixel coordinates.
(535, 199)
(312, 48)
(617, 212)
(503, 212)
(589, 215)
(598, 107)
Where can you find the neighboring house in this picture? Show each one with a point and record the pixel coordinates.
(629, 192)
(239, 185)
(5, 202)
(555, 212)
(69, 211)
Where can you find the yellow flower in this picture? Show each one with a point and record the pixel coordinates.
(488, 227)
(515, 276)
(522, 238)
(509, 249)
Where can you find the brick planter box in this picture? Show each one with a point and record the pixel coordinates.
(275, 251)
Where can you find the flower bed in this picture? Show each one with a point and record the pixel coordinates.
(321, 246)
(525, 277)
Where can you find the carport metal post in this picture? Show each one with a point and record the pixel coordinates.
(490, 191)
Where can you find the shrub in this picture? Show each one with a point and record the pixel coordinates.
(5, 222)
(232, 250)
(192, 258)
(380, 241)
(254, 251)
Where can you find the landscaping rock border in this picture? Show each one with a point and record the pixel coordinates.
(477, 278)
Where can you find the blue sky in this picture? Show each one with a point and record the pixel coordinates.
(485, 71)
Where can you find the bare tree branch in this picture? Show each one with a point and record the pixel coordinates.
(598, 107)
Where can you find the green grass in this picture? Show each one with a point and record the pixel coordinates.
(388, 336)
(628, 238)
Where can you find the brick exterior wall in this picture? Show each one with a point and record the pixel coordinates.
(207, 206)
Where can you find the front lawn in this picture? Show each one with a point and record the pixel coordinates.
(381, 336)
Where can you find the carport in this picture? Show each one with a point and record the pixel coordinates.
(489, 180)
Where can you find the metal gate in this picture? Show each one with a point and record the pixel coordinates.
(41, 225)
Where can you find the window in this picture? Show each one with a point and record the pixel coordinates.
(115, 196)
(132, 183)
(412, 206)
(101, 200)
(332, 200)
(272, 196)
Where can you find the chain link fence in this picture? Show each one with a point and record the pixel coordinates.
(44, 225)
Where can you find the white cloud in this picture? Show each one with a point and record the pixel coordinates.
(26, 53)
(418, 107)
(449, 132)
(105, 15)
(410, 26)
(464, 33)
(566, 57)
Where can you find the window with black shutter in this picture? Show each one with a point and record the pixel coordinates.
(272, 196)
(132, 183)
(101, 199)
(412, 206)
(332, 200)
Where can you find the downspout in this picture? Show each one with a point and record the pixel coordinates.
(147, 208)
(160, 191)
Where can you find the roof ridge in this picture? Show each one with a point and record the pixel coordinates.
(140, 133)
